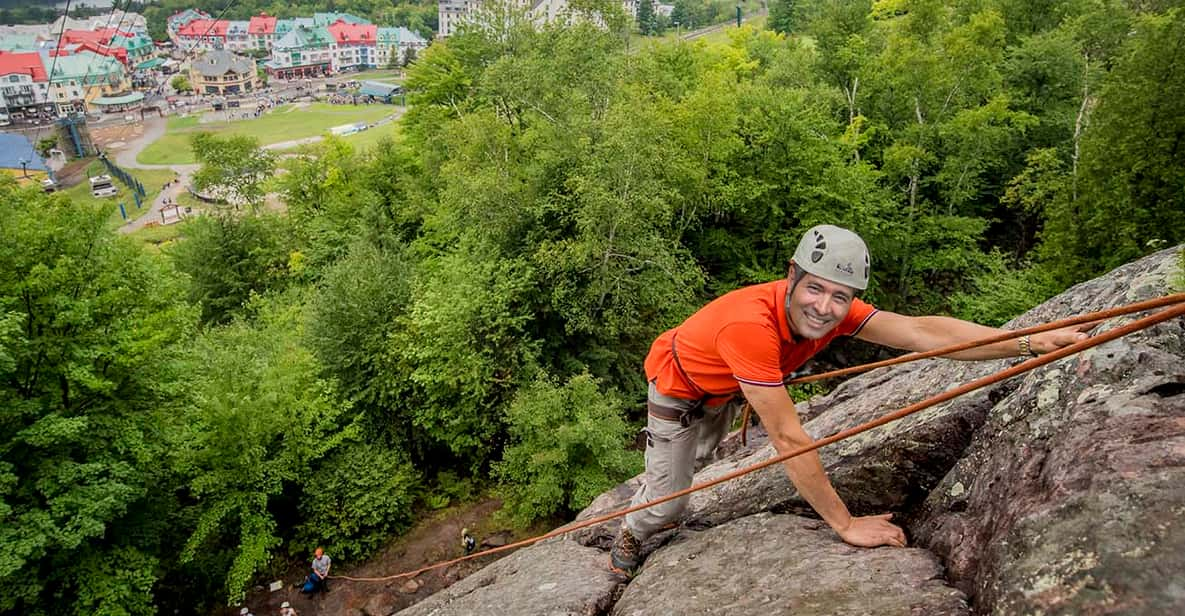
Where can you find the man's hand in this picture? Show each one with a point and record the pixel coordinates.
(871, 531)
(1046, 342)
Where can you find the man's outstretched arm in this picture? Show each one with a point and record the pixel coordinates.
(928, 333)
(780, 418)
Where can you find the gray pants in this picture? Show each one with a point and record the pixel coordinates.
(673, 453)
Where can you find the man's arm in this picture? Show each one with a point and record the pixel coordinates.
(780, 419)
(928, 333)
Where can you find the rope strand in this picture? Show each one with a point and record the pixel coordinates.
(1015, 370)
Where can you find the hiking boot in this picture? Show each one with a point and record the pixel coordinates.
(626, 553)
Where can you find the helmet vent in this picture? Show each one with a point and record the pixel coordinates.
(820, 246)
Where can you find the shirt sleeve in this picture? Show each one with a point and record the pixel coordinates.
(857, 317)
(752, 352)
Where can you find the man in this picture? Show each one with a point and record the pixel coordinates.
(286, 609)
(748, 342)
(467, 541)
(316, 579)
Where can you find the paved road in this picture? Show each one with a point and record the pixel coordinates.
(154, 128)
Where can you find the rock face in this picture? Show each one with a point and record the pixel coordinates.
(559, 578)
(1059, 492)
(784, 564)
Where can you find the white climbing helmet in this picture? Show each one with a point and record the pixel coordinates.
(835, 254)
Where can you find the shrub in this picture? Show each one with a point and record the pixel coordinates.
(567, 446)
(362, 494)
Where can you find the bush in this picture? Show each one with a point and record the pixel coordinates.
(567, 446)
(229, 258)
(1001, 292)
(363, 493)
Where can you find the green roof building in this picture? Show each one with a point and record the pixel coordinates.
(82, 77)
(302, 52)
(20, 42)
(138, 45)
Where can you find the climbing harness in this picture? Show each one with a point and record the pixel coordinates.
(1177, 301)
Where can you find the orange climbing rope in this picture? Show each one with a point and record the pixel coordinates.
(1030, 364)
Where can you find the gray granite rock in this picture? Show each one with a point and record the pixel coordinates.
(782, 564)
(1071, 498)
(558, 578)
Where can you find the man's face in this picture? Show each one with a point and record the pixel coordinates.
(817, 306)
(318, 552)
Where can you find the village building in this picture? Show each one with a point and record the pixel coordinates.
(222, 72)
(24, 84)
(304, 51)
(237, 36)
(261, 32)
(77, 78)
(397, 44)
(353, 45)
(202, 34)
(452, 13)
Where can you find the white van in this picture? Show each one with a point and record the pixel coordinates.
(101, 186)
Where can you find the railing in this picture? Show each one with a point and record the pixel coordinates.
(128, 179)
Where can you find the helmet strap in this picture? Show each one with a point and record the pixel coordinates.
(796, 276)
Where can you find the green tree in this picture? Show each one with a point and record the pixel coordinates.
(647, 18)
(181, 84)
(409, 58)
(355, 311)
(87, 328)
(228, 259)
(357, 498)
(784, 16)
(45, 145)
(566, 447)
(257, 419)
(233, 168)
(464, 347)
(1127, 193)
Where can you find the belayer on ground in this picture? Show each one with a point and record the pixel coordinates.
(316, 580)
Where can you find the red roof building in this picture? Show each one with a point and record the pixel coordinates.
(352, 34)
(200, 28)
(23, 63)
(119, 53)
(97, 37)
(262, 24)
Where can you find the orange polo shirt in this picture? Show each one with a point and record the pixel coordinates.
(740, 337)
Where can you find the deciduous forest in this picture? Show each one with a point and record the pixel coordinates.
(465, 309)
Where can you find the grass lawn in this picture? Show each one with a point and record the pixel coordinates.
(284, 123)
(152, 179)
(367, 138)
(379, 74)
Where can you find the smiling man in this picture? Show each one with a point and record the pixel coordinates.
(743, 346)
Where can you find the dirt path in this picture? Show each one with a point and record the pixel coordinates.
(431, 540)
